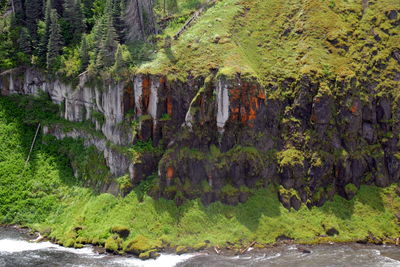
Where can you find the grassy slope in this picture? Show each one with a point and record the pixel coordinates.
(47, 197)
(276, 39)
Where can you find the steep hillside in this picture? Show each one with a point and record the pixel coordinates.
(44, 195)
(275, 40)
(253, 103)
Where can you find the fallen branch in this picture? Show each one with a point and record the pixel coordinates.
(247, 248)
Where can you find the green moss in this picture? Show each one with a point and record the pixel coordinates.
(113, 244)
(229, 190)
(149, 254)
(200, 246)
(351, 189)
(141, 244)
(181, 250)
(69, 243)
(124, 183)
(206, 186)
(290, 157)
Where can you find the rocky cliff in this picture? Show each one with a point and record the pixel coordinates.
(226, 136)
(323, 123)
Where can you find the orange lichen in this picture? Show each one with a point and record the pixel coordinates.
(245, 103)
(170, 172)
(169, 105)
(354, 108)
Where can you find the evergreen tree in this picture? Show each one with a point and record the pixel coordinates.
(84, 54)
(119, 60)
(98, 33)
(108, 46)
(33, 13)
(44, 39)
(118, 22)
(55, 41)
(73, 16)
(24, 41)
(80, 18)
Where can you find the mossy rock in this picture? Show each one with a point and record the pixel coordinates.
(69, 243)
(181, 250)
(139, 245)
(200, 246)
(83, 240)
(229, 190)
(260, 246)
(150, 254)
(351, 190)
(122, 231)
(78, 245)
(290, 157)
(113, 244)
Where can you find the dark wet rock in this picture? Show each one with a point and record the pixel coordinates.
(392, 14)
(283, 238)
(369, 133)
(181, 250)
(295, 202)
(374, 240)
(332, 232)
(122, 231)
(303, 250)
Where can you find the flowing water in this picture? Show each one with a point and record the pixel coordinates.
(17, 250)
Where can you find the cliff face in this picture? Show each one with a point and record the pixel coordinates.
(310, 106)
(224, 137)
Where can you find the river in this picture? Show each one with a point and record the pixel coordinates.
(17, 250)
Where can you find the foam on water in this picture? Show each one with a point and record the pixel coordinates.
(13, 246)
(10, 245)
(165, 260)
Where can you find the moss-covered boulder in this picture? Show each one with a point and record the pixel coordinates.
(69, 243)
(122, 231)
(351, 190)
(200, 246)
(113, 244)
(151, 254)
(181, 250)
(140, 245)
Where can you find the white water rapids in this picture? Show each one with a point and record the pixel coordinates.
(17, 250)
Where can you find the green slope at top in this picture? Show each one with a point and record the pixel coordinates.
(271, 39)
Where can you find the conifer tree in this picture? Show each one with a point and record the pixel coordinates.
(108, 45)
(55, 41)
(73, 16)
(84, 54)
(118, 22)
(33, 12)
(44, 39)
(24, 41)
(119, 60)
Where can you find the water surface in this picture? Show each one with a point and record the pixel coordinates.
(16, 249)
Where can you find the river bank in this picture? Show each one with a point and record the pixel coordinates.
(15, 248)
(254, 250)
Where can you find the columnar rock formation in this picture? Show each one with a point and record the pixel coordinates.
(224, 136)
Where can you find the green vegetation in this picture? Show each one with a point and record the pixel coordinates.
(290, 157)
(46, 196)
(264, 40)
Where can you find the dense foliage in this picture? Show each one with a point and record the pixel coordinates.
(68, 37)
